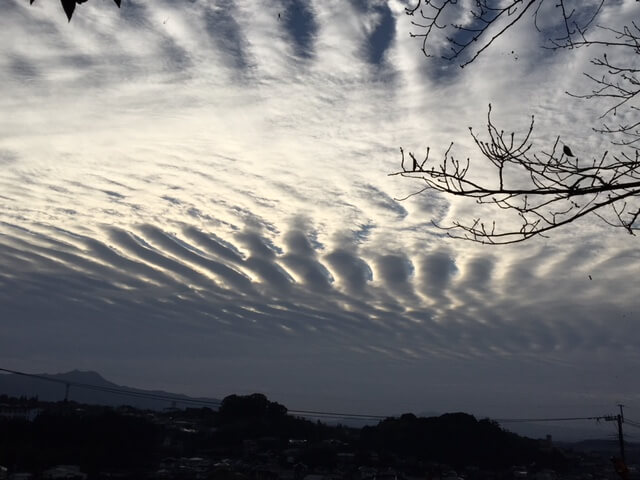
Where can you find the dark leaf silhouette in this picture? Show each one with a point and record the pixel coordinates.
(567, 151)
(69, 6)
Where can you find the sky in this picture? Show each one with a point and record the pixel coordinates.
(195, 197)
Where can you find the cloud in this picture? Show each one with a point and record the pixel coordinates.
(395, 271)
(349, 270)
(7, 157)
(301, 258)
(382, 35)
(436, 271)
(382, 200)
(300, 23)
(215, 245)
(225, 33)
(186, 253)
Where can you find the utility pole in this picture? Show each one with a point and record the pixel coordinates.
(620, 419)
(66, 392)
(619, 464)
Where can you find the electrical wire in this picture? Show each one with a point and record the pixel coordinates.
(302, 413)
(555, 419)
(183, 400)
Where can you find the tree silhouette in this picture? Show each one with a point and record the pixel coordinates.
(552, 187)
(70, 5)
(462, 31)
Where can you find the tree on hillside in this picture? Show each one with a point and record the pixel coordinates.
(70, 5)
(550, 187)
(456, 439)
(250, 407)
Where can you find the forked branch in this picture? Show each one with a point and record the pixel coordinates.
(545, 190)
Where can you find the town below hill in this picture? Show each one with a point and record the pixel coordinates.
(252, 438)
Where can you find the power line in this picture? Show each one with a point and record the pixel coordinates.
(303, 413)
(555, 419)
(183, 400)
(118, 390)
(631, 423)
(312, 413)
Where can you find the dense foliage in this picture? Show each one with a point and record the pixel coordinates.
(456, 439)
(96, 439)
(251, 427)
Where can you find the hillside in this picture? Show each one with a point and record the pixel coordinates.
(91, 388)
(251, 433)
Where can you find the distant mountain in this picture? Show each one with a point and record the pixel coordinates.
(91, 388)
(608, 447)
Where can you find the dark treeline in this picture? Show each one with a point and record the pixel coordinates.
(102, 439)
(457, 439)
(95, 438)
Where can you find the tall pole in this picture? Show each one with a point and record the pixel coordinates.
(620, 419)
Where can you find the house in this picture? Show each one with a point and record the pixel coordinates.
(19, 412)
(64, 472)
(21, 476)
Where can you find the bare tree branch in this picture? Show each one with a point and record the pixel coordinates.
(544, 190)
(487, 20)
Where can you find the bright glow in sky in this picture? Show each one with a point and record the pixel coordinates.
(195, 197)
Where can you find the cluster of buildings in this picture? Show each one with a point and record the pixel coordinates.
(268, 459)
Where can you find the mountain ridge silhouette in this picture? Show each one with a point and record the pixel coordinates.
(51, 388)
